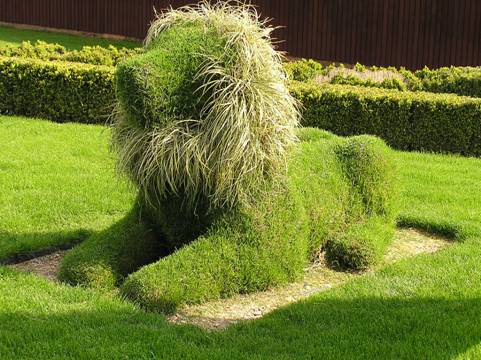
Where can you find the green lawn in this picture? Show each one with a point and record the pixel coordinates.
(12, 36)
(57, 184)
(425, 307)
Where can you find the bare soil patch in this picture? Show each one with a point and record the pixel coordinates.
(217, 315)
(411, 242)
(46, 265)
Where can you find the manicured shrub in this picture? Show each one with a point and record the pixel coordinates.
(206, 129)
(95, 55)
(457, 80)
(370, 76)
(405, 120)
(464, 81)
(57, 91)
(354, 79)
(303, 70)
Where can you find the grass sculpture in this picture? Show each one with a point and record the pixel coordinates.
(232, 198)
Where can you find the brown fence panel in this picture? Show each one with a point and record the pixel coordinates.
(411, 33)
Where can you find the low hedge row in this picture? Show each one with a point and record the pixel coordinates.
(457, 80)
(55, 90)
(371, 76)
(405, 120)
(95, 55)
(464, 81)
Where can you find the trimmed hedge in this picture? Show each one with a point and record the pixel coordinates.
(95, 55)
(457, 80)
(55, 90)
(303, 70)
(465, 81)
(63, 92)
(370, 76)
(338, 197)
(405, 120)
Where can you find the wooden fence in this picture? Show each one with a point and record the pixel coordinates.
(410, 33)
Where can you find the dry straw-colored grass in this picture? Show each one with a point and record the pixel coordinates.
(373, 75)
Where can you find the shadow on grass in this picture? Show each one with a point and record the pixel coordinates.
(108, 256)
(368, 328)
(16, 247)
(441, 228)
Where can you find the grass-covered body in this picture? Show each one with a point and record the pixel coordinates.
(333, 198)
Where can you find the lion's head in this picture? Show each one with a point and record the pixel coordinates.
(205, 111)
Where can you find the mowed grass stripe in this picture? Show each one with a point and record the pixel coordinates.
(57, 184)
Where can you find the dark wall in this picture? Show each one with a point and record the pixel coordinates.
(410, 33)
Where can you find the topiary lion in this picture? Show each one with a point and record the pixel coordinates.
(232, 197)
